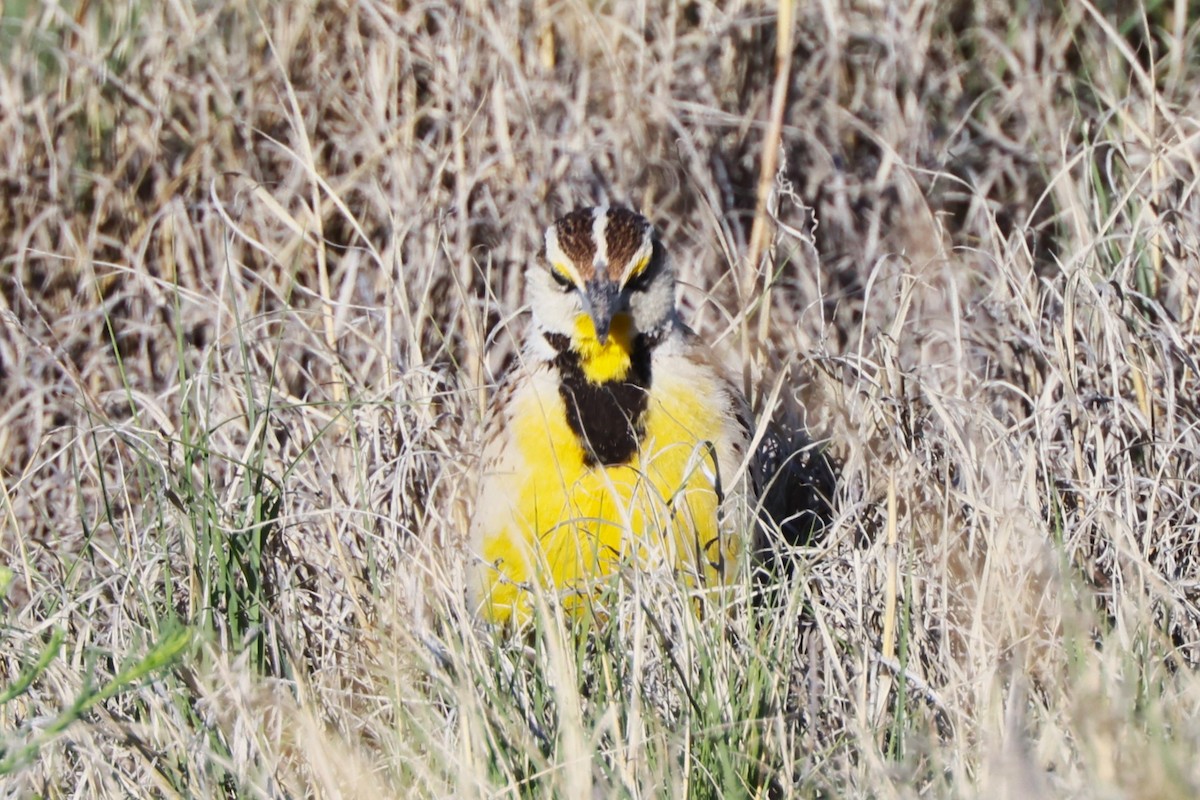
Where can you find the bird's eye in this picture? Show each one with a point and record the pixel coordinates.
(562, 280)
(639, 282)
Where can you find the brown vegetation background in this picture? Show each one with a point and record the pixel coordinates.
(260, 263)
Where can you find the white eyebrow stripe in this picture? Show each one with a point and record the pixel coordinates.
(558, 259)
(645, 251)
(600, 237)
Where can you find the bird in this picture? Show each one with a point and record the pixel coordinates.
(616, 437)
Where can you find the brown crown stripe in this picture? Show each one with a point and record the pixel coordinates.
(575, 239)
(625, 233)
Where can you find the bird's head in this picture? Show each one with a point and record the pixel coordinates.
(604, 279)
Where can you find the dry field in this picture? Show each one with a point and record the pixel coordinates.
(261, 262)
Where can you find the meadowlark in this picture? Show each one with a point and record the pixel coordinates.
(615, 436)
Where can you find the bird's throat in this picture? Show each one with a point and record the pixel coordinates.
(611, 360)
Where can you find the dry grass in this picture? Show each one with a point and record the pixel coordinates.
(261, 261)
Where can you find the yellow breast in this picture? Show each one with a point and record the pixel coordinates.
(568, 526)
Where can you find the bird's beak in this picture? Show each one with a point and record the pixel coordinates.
(603, 300)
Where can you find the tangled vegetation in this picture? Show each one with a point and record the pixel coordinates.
(262, 262)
